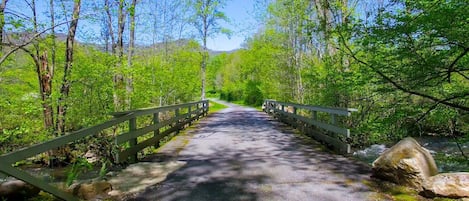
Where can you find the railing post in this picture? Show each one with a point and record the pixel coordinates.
(190, 114)
(133, 141)
(206, 107)
(198, 108)
(177, 122)
(156, 121)
(267, 107)
(294, 119)
(315, 115)
(333, 119)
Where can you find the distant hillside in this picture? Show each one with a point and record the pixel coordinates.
(216, 52)
(178, 43)
(21, 37)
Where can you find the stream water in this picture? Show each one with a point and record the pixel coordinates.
(440, 148)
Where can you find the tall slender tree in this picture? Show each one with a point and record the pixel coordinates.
(3, 4)
(44, 71)
(129, 84)
(119, 79)
(206, 18)
(66, 83)
(109, 33)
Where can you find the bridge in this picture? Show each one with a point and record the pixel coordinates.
(239, 153)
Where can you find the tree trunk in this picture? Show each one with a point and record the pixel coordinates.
(204, 54)
(118, 77)
(120, 30)
(52, 21)
(109, 26)
(65, 89)
(2, 21)
(129, 84)
(203, 69)
(46, 74)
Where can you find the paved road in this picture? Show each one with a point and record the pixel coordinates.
(243, 154)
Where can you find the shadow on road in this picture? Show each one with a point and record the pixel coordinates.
(243, 154)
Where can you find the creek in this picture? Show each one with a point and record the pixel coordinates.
(444, 150)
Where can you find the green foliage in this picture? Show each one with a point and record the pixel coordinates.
(103, 170)
(327, 55)
(79, 166)
(168, 76)
(252, 94)
(215, 107)
(404, 66)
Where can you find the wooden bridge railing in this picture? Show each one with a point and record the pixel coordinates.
(177, 116)
(309, 122)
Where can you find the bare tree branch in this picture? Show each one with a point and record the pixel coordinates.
(17, 47)
(397, 85)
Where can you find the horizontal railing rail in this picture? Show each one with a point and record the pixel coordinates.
(176, 122)
(327, 132)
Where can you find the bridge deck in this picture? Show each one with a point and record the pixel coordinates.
(243, 154)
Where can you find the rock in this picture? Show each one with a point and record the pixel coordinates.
(450, 185)
(406, 163)
(91, 157)
(17, 190)
(88, 191)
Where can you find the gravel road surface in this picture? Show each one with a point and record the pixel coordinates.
(240, 153)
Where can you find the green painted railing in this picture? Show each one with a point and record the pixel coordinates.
(177, 116)
(307, 121)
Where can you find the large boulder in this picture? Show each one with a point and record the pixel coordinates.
(406, 163)
(92, 190)
(17, 190)
(451, 185)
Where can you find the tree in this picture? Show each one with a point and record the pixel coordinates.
(129, 87)
(108, 30)
(3, 4)
(44, 71)
(66, 84)
(206, 18)
(421, 51)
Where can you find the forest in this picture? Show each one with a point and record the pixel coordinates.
(403, 64)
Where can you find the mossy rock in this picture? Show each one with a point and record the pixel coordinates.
(406, 163)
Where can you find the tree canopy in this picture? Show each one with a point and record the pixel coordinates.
(403, 64)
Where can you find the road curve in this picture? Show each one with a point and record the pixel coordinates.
(243, 154)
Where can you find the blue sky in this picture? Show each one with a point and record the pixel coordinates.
(242, 24)
(240, 12)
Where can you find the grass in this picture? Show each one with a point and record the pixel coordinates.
(242, 103)
(215, 107)
(390, 191)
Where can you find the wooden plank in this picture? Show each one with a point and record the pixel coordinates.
(337, 145)
(330, 110)
(12, 157)
(149, 142)
(190, 114)
(153, 110)
(124, 137)
(343, 131)
(177, 115)
(122, 156)
(133, 141)
(156, 132)
(306, 124)
(24, 176)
